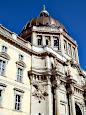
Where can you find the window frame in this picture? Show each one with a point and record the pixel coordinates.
(65, 46)
(69, 51)
(19, 75)
(57, 44)
(2, 67)
(39, 40)
(2, 88)
(73, 52)
(4, 49)
(21, 57)
(18, 92)
(47, 40)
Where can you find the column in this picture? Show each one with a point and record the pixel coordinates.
(57, 97)
(71, 100)
(84, 94)
(48, 63)
(50, 108)
(73, 110)
(85, 99)
(57, 102)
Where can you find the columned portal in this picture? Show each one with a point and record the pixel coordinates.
(78, 111)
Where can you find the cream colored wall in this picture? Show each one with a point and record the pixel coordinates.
(10, 81)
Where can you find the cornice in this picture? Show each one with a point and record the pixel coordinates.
(21, 63)
(4, 55)
(69, 38)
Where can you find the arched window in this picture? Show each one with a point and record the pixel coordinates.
(78, 111)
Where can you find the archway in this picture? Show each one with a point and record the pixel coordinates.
(78, 111)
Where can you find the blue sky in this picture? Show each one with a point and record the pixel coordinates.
(71, 13)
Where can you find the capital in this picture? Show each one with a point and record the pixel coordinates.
(70, 89)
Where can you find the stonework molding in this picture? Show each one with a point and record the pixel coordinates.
(4, 55)
(21, 63)
(39, 89)
(70, 89)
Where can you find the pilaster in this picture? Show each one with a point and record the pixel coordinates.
(57, 96)
(50, 106)
(84, 87)
(70, 92)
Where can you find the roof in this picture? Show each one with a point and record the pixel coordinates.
(44, 19)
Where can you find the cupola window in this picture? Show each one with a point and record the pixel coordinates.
(47, 40)
(69, 49)
(56, 42)
(73, 53)
(39, 40)
(65, 46)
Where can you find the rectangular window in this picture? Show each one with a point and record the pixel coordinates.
(4, 49)
(47, 42)
(47, 38)
(65, 46)
(73, 53)
(69, 49)
(2, 67)
(39, 40)
(21, 57)
(17, 102)
(56, 42)
(19, 74)
(1, 96)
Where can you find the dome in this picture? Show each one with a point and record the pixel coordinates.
(44, 19)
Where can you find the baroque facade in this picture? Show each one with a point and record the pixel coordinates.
(40, 72)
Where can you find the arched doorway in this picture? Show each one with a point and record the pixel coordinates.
(78, 111)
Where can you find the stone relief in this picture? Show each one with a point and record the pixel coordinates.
(39, 90)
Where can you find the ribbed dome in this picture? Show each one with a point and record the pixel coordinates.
(43, 20)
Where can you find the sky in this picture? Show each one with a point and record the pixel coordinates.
(14, 14)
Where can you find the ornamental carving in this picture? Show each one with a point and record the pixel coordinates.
(21, 63)
(39, 90)
(4, 55)
(70, 89)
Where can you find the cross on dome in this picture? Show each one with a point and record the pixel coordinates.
(44, 12)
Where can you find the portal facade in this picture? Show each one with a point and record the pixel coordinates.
(49, 79)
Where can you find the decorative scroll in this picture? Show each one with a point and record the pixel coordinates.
(39, 90)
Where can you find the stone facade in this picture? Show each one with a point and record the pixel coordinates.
(45, 78)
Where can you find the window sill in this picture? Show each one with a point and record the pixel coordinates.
(1, 106)
(19, 82)
(17, 110)
(2, 75)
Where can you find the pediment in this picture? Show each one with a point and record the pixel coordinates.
(4, 55)
(21, 63)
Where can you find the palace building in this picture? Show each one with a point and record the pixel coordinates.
(40, 72)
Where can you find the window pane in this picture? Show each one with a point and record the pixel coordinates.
(39, 40)
(47, 40)
(73, 53)
(2, 67)
(21, 57)
(18, 102)
(56, 42)
(69, 49)
(65, 46)
(4, 49)
(0, 96)
(19, 74)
